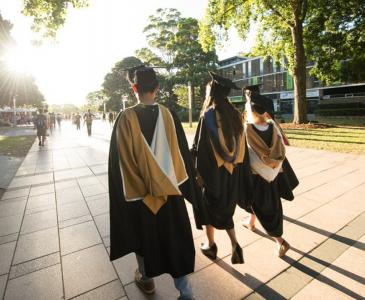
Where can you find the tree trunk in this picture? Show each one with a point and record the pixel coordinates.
(299, 75)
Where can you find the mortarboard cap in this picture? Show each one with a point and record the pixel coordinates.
(221, 86)
(253, 88)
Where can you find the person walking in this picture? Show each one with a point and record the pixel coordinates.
(223, 167)
(77, 121)
(59, 119)
(41, 126)
(111, 118)
(150, 174)
(88, 119)
(273, 177)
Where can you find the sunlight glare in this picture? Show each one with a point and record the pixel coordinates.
(18, 61)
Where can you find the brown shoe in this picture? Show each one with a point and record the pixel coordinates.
(147, 287)
(284, 247)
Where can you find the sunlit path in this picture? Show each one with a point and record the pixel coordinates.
(54, 231)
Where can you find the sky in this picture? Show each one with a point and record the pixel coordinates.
(91, 42)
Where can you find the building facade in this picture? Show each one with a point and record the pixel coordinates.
(277, 83)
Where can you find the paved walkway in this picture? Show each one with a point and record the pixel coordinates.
(54, 232)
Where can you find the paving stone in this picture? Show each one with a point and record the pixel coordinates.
(43, 284)
(65, 184)
(165, 289)
(78, 237)
(36, 244)
(112, 290)
(40, 201)
(6, 254)
(40, 209)
(103, 224)
(62, 175)
(126, 267)
(8, 238)
(92, 190)
(72, 210)
(71, 222)
(319, 290)
(266, 263)
(39, 221)
(86, 269)
(15, 193)
(83, 182)
(106, 241)
(80, 172)
(206, 286)
(69, 195)
(3, 280)
(99, 169)
(104, 196)
(10, 225)
(12, 207)
(40, 190)
(31, 180)
(34, 265)
(98, 207)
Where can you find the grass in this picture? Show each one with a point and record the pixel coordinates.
(188, 129)
(349, 137)
(338, 139)
(15, 145)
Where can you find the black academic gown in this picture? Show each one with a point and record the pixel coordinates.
(222, 191)
(267, 196)
(164, 240)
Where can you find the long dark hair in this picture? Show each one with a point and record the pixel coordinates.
(231, 119)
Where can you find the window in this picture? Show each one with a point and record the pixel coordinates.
(255, 67)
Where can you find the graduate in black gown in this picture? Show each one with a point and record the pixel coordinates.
(273, 177)
(150, 174)
(222, 165)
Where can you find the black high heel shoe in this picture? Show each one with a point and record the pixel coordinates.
(237, 255)
(210, 252)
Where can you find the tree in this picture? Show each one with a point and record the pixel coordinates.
(280, 32)
(116, 86)
(335, 40)
(95, 100)
(322, 31)
(173, 42)
(20, 86)
(64, 108)
(49, 15)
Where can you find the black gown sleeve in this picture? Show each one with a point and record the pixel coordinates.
(206, 162)
(190, 189)
(116, 195)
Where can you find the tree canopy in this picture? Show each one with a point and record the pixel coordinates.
(116, 86)
(324, 32)
(49, 15)
(173, 43)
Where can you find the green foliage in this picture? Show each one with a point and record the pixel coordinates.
(49, 15)
(64, 108)
(333, 30)
(173, 42)
(95, 100)
(116, 86)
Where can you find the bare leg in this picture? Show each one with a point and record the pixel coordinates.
(279, 240)
(282, 246)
